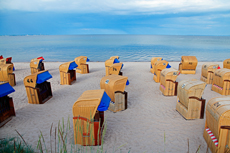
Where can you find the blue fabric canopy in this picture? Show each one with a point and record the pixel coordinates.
(6, 89)
(127, 83)
(42, 77)
(87, 60)
(168, 66)
(72, 66)
(105, 101)
(116, 61)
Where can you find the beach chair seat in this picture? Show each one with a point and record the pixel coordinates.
(67, 73)
(217, 124)
(37, 88)
(189, 99)
(114, 86)
(6, 74)
(188, 65)
(153, 61)
(158, 67)
(113, 66)
(37, 65)
(226, 64)
(221, 81)
(82, 67)
(168, 84)
(207, 72)
(88, 117)
(6, 103)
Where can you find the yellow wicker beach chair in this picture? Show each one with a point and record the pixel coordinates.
(67, 72)
(189, 99)
(37, 88)
(226, 63)
(6, 74)
(188, 65)
(6, 103)
(217, 124)
(37, 65)
(207, 72)
(158, 67)
(88, 117)
(113, 66)
(114, 86)
(153, 61)
(168, 84)
(221, 81)
(81, 63)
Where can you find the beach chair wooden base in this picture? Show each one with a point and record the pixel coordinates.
(170, 88)
(120, 103)
(188, 71)
(83, 69)
(86, 132)
(67, 78)
(7, 110)
(40, 94)
(223, 91)
(195, 108)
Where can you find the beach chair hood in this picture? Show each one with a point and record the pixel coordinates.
(89, 102)
(37, 78)
(113, 83)
(81, 60)
(65, 67)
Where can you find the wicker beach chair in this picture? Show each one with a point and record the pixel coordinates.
(113, 66)
(221, 81)
(88, 117)
(6, 103)
(189, 99)
(226, 63)
(37, 88)
(114, 86)
(82, 67)
(217, 124)
(67, 72)
(37, 65)
(6, 74)
(158, 67)
(207, 72)
(188, 65)
(153, 61)
(168, 84)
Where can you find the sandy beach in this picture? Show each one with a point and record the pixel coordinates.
(150, 124)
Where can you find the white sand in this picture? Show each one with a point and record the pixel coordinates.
(140, 128)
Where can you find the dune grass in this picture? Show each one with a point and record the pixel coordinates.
(15, 145)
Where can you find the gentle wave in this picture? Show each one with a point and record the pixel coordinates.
(128, 47)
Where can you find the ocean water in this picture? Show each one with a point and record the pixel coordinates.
(100, 47)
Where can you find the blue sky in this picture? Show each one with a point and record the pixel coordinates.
(157, 17)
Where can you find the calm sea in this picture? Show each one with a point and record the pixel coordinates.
(101, 47)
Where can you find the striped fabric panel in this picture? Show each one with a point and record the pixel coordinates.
(215, 141)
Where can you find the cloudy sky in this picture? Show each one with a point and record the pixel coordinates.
(157, 17)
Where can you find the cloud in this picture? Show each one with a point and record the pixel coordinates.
(117, 6)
